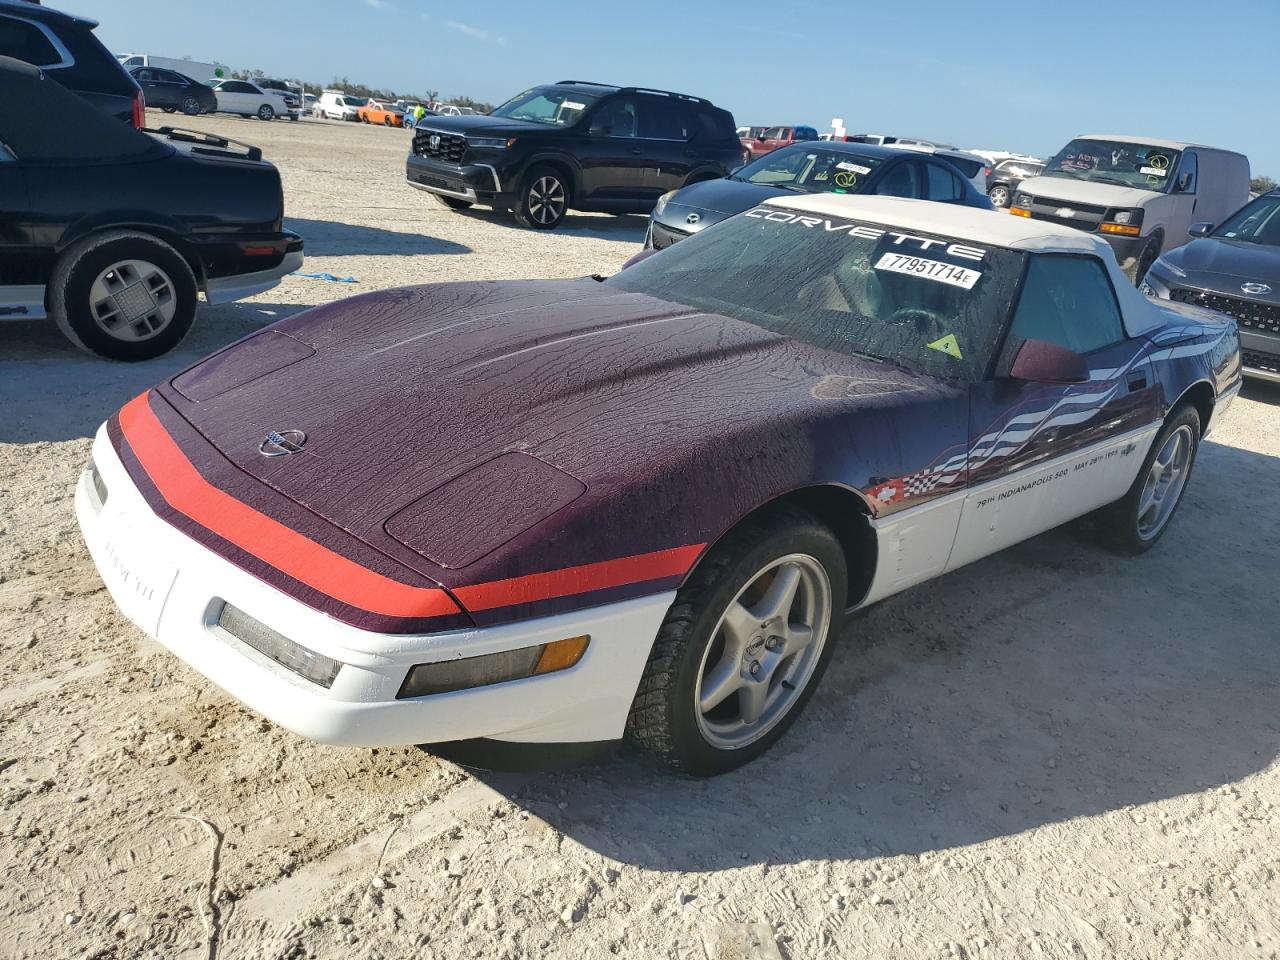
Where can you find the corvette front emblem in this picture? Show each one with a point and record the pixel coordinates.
(282, 443)
(692, 218)
(1255, 288)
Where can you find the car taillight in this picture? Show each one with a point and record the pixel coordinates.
(139, 110)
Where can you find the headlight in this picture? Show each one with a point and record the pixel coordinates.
(493, 143)
(662, 201)
(1124, 222)
(1123, 216)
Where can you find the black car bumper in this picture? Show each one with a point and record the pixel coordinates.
(248, 265)
(677, 221)
(475, 182)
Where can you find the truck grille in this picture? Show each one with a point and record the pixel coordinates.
(437, 145)
(1082, 216)
(1265, 362)
(1262, 317)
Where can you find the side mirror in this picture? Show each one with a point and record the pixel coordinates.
(1043, 362)
(1200, 229)
(1184, 181)
(599, 127)
(635, 258)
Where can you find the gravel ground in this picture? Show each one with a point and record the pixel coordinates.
(1052, 752)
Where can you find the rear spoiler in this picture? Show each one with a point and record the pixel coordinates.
(202, 139)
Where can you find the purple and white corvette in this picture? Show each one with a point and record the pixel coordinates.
(547, 513)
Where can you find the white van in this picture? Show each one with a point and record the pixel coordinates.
(336, 105)
(1139, 194)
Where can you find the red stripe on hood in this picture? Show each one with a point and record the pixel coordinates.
(184, 489)
(658, 565)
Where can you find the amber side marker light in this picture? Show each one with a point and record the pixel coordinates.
(424, 679)
(1020, 211)
(1126, 229)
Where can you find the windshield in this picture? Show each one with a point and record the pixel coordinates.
(355, 101)
(928, 303)
(547, 105)
(1122, 164)
(810, 170)
(1257, 222)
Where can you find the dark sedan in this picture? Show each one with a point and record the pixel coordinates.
(171, 91)
(1235, 270)
(114, 233)
(810, 168)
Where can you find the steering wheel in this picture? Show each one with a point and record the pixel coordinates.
(925, 321)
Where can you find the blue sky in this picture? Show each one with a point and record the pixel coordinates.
(1019, 76)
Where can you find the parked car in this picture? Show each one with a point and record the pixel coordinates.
(377, 112)
(387, 520)
(773, 138)
(573, 145)
(114, 233)
(1139, 193)
(974, 167)
(882, 139)
(171, 91)
(1235, 269)
(64, 45)
(291, 93)
(336, 105)
(187, 67)
(247, 99)
(822, 167)
(1003, 180)
(450, 110)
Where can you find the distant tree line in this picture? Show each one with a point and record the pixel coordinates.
(377, 93)
(1261, 185)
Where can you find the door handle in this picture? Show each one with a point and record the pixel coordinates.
(636, 151)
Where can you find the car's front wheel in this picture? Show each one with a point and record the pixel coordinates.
(544, 199)
(124, 295)
(999, 195)
(168, 109)
(266, 112)
(1135, 523)
(743, 646)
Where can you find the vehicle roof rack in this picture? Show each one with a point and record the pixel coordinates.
(667, 93)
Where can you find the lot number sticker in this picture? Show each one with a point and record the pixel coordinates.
(934, 270)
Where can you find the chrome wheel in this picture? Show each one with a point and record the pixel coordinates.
(999, 196)
(266, 113)
(546, 200)
(133, 300)
(763, 652)
(190, 106)
(1165, 480)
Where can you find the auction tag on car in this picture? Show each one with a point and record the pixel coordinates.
(854, 167)
(573, 105)
(929, 269)
(1153, 171)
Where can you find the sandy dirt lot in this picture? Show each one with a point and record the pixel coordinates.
(1053, 752)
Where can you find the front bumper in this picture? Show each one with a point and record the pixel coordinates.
(173, 588)
(678, 221)
(476, 182)
(240, 285)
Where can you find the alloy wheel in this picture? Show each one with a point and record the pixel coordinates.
(546, 200)
(763, 652)
(1164, 483)
(133, 300)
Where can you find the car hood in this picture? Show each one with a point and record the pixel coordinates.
(549, 387)
(724, 196)
(1070, 190)
(1235, 261)
(482, 124)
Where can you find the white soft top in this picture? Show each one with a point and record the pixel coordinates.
(982, 226)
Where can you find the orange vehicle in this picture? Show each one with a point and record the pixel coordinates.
(376, 112)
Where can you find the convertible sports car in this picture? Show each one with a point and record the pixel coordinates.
(551, 512)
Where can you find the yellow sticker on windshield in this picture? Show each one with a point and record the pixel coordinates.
(948, 346)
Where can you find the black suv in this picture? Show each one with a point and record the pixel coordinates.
(574, 145)
(65, 47)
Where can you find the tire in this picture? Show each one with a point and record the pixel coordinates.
(386, 122)
(544, 199)
(453, 203)
(1120, 526)
(1145, 259)
(999, 196)
(82, 283)
(168, 109)
(693, 647)
(191, 106)
(266, 112)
